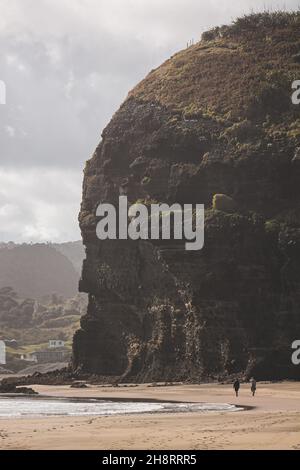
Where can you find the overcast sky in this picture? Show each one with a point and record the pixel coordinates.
(67, 66)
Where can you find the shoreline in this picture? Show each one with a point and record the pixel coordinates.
(113, 399)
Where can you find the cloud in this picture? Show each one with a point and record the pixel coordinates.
(68, 65)
(34, 207)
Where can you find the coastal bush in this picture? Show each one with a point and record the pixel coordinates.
(224, 203)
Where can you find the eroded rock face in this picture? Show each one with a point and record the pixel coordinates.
(156, 311)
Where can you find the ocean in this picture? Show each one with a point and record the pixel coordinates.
(18, 407)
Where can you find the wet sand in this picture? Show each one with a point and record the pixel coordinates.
(273, 422)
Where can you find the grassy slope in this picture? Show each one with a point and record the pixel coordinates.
(265, 46)
(51, 321)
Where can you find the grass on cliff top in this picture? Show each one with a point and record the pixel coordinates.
(255, 22)
(231, 69)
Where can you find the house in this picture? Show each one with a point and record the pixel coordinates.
(12, 343)
(56, 343)
(55, 352)
(28, 357)
(52, 355)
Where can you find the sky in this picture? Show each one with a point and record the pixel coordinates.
(67, 66)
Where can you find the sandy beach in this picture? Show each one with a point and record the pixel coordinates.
(273, 422)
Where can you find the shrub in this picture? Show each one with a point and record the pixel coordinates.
(146, 180)
(272, 226)
(223, 203)
(211, 34)
(241, 131)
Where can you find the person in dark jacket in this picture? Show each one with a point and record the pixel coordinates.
(236, 386)
(253, 386)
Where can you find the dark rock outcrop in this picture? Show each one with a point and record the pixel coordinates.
(216, 118)
(8, 386)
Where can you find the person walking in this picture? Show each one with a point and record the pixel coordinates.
(236, 386)
(253, 386)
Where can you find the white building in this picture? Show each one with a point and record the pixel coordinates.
(28, 357)
(2, 352)
(56, 343)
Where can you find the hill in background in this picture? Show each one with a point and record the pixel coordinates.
(41, 269)
(39, 297)
(74, 251)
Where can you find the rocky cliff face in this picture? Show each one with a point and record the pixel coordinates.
(215, 118)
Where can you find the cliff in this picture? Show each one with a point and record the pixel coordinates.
(216, 118)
